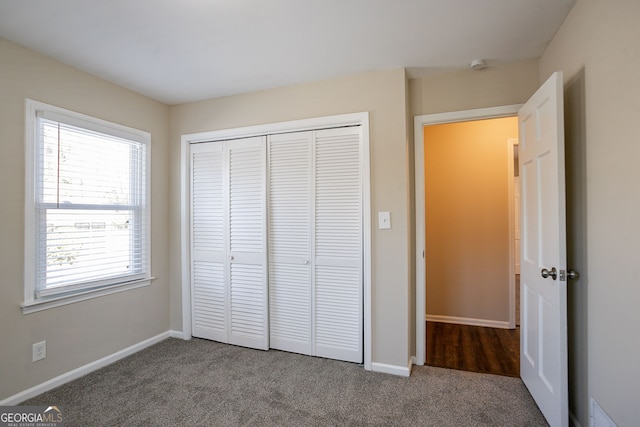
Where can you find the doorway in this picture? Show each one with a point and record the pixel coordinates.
(446, 308)
(469, 256)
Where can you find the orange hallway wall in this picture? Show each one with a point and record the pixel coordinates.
(467, 222)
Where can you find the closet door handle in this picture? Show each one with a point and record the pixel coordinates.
(230, 257)
(306, 262)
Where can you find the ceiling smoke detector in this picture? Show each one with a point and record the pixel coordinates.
(478, 64)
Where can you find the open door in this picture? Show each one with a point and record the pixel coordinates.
(543, 338)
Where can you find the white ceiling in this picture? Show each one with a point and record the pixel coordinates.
(180, 51)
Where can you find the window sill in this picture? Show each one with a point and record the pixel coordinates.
(52, 302)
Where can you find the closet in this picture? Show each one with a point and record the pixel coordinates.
(277, 243)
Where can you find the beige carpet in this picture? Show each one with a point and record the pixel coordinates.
(203, 383)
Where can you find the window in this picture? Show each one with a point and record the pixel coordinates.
(87, 217)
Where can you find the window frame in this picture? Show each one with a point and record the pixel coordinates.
(93, 289)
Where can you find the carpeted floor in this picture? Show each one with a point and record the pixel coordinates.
(203, 383)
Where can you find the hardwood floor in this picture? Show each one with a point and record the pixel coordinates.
(474, 348)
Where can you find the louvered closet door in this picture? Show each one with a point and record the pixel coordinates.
(208, 252)
(338, 245)
(228, 238)
(247, 304)
(315, 243)
(289, 183)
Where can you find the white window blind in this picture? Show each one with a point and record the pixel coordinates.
(90, 205)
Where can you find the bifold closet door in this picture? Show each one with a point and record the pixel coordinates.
(229, 270)
(315, 243)
(208, 242)
(338, 245)
(290, 296)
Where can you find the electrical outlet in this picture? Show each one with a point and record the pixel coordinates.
(39, 351)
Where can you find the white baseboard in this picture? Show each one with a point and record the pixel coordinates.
(403, 371)
(467, 321)
(179, 334)
(414, 361)
(84, 370)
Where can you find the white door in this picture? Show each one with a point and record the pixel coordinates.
(290, 217)
(543, 339)
(208, 253)
(337, 281)
(316, 243)
(247, 306)
(228, 242)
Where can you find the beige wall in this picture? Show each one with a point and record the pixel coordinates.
(83, 332)
(383, 95)
(466, 90)
(467, 218)
(597, 48)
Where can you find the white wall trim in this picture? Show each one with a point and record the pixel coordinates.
(402, 371)
(45, 304)
(353, 119)
(317, 123)
(83, 370)
(511, 143)
(466, 115)
(185, 241)
(366, 232)
(419, 123)
(470, 321)
(177, 334)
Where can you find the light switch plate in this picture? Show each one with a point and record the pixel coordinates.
(384, 220)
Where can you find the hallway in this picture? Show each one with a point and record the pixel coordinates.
(474, 348)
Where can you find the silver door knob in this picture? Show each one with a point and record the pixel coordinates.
(230, 257)
(573, 275)
(553, 273)
(306, 262)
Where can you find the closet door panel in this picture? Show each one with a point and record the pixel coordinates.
(313, 221)
(290, 308)
(246, 239)
(209, 318)
(248, 309)
(290, 298)
(338, 312)
(338, 244)
(207, 242)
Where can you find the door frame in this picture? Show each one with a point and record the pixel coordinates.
(511, 144)
(354, 119)
(419, 123)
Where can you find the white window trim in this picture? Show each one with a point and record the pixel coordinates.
(31, 304)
